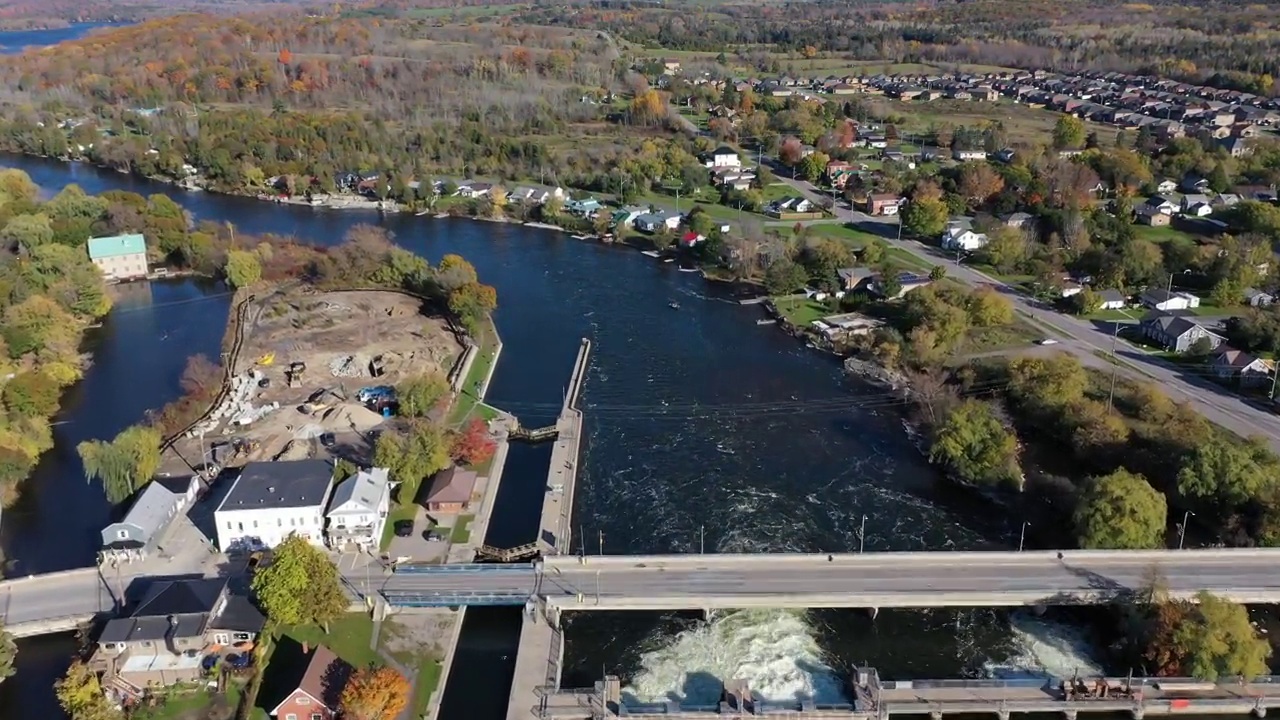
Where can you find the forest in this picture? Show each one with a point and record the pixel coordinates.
(1228, 43)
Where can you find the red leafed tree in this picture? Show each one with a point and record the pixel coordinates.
(285, 56)
(791, 151)
(473, 445)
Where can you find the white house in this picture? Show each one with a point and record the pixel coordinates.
(271, 501)
(1158, 299)
(1166, 186)
(1112, 300)
(722, 157)
(358, 512)
(959, 235)
(119, 257)
(655, 222)
(963, 155)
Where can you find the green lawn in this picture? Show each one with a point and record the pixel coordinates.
(461, 530)
(801, 311)
(349, 637)
(183, 704)
(400, 511)
(1161, 234)
(425, 685)
(468, 399)
(987, 339)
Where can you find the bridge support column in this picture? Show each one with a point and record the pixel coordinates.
(873, 612)
(553, 617)
(935, 715)
(1137, 713)
(1259, 712)
(706, 614)
(1002, 715)
(1069, 714)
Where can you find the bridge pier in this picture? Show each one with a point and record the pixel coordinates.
(935, 715)
(1259, 711)
(1137, 713)
(873, 612)
(1002, 715)
(1069, 714)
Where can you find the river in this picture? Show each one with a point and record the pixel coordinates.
(15, 41)
(701, 427)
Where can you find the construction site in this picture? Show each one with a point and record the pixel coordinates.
(316, 371)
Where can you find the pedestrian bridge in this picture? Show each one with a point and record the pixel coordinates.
(870, 580)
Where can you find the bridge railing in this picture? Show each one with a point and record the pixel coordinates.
(450, 599)
(458, 568)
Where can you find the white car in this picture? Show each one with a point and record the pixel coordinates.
(1048, 341)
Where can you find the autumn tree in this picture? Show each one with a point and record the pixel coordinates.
(411, 454)
(124, 464)
(8, 653)
(791, 151)
(979, 182)
(81, 697)
(1120, 511)
(27, 231)
(784, 276)
(648, 108)
(473, 445)
(987, 308)
(1006, 250)
(925, 217)
(421, 394)
(974, 444)
(471, 303)
(1068, 132)
(300, 586)
(375, 694)
(243, 268)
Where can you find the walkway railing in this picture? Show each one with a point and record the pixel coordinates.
(521, 552)
(452, 599)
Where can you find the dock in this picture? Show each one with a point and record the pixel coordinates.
(541, 652)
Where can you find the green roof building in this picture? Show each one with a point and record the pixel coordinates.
(120, 257)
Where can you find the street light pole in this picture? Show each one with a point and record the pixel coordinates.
(601, 542)
(1022, 539)
(862, 535)
(1115, 365)
(702, 539)
(1182, 531)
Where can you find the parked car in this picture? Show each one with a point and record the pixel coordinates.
(432, 536)
(404, 528)
(327, 439)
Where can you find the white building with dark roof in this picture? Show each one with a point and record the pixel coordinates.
(271, 501)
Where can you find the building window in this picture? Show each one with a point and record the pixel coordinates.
(291, 716)
(317, 716)
(122, 534)
(279, 522)
(304, 701)
(255, 524)
(240, 527)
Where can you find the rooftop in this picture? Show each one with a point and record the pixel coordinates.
(291, 484)
(116, 245)
(453, 485)
(365, 489)
(152, 510)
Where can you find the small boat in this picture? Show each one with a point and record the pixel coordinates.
(441, 216)
(420, 213)
(673, 305)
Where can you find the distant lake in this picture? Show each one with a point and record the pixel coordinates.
(15, 41)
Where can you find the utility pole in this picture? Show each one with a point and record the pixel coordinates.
(1115, 365)
(702, 539)
(582, 542)
(862, 535)
(1182, 531)
(1022, 539)
(597, 587)
(601, 542)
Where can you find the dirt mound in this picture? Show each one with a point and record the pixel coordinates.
(351, 416)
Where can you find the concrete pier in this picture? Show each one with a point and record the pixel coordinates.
(556, 529)
(541, 651)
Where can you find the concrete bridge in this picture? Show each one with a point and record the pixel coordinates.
(871, 580)
(58, 602)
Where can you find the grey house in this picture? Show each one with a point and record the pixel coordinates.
(1177, 333)
(167, 637)
(140, 531)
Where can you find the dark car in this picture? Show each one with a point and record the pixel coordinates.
(327, 439)
(404, 528)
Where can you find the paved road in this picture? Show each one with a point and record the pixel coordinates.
(1086, 338)
(941, 579)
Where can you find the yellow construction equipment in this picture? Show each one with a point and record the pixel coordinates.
(267, 359)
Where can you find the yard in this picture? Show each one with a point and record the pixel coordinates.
(468, 400)
(1163, 234)
(461, 530)
(801, 311)
(349, 638)
(1022, 123)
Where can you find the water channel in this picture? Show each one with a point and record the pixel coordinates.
(703, 429)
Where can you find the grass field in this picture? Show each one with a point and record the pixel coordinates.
(800, 311)
(349, 637)
(1023, 124)
(1162, 234)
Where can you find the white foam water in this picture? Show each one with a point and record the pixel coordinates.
(1044, 647)
(773, 650)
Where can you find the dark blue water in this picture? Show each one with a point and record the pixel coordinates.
(18, 40)
(696, 418)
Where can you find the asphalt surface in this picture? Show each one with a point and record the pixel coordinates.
(881, 580)
(1087, 338)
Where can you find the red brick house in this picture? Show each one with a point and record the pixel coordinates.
(316, 695)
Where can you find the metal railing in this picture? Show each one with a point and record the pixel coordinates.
(455, 569)
(451, 599)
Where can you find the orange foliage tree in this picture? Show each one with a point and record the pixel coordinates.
(375, 694)
(285, 57)
(473, 445)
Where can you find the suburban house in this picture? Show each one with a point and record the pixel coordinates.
(1196, 205)
(722, 157)
(1153, 216)
(883, 204)
(271, 501)
(1166, 186)
(583, 207)
(167, 637)
(473, 189)
(854, 278)
(120, 257)
(907, 280)
(1162, 204)
(1019, 220)
(1164, 301)
(656, 222)
(358, 511)
(1231, 364)
(963, 155)
(315, 694)
(846, 325)
(140, 531)
(1112, 300)
(626, 217)
(690, 239)
(535, 196)
(959, 235)
(796, 205)
(450, 491)
(1177, 333)
(1258, 298)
